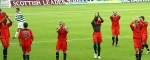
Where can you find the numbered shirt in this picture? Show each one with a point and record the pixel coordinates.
(26, 37)
(19, 17)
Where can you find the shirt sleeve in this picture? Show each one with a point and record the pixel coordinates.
(32, 37)
(111, 17)
(146, 23)
(131, 26)
(119, 17)
(9, 24)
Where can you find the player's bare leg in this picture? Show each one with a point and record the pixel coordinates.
(95, 49)
(113, 40)
(16, 34)
(5, 53)
(57, 54)
(65, 55)
(137, 53)
(99, 50)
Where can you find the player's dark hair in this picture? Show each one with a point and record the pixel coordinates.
(18, 9)
(142, 17)
(25, 25)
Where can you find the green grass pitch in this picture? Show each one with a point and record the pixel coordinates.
(43, 21)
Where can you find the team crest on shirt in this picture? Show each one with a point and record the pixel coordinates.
(25, 34)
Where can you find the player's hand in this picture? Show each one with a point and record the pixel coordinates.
(63, 24)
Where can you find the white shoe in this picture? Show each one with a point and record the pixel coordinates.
(99, 57)
(147, 52)
(95, 55)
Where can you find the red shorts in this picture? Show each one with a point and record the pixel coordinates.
(61, 45)
(97, 37)
(115, 31)
(144, 38)
(137, 43)
(26, 48)
(5, 42)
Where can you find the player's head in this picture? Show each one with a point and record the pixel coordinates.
(96, 17)
(5, 20)
(17, 10)
(25, 25)
(136, 23)
(61, 24)
(142, 18)
(115, 12)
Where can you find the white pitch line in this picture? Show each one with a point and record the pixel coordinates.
(71, 40)
(66, 12)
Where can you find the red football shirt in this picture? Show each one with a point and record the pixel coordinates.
(62, 34)
(144, 28)
(136, 30)
(26, 37)
(115, 22)
(5, 30)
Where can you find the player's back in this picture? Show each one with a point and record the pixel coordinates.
(26, 36)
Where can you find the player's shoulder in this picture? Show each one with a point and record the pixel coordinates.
(26, 30)
(19, 13)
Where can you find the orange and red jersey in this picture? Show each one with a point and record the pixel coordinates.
(62, 34)
(115, 21)
(136, 30)
(5, 30)
(26, 37)
(144, 27)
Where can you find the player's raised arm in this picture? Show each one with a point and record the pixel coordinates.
(9, 20)
(57, 29)
(3, 16)
(19, 37)
(131, 24)
(100, 18)
(94, 20)
(65, 27)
